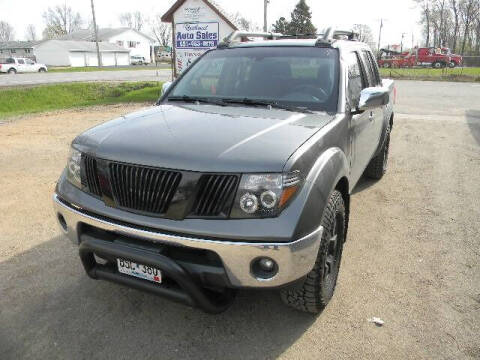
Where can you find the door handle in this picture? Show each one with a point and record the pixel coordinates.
(371, 117)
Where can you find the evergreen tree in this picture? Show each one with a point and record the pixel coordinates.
(301, 22)
(281, 26)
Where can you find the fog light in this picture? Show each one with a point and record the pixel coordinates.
(264, 268)
(266, 264)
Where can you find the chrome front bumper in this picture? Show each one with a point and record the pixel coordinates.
(295, 259)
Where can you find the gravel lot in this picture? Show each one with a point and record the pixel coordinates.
(53, 78)
(412, 257)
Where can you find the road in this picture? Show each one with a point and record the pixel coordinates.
(412, 257)
(59, 77)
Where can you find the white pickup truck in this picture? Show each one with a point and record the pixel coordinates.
(20, 65)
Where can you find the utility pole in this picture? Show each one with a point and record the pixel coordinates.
(380, 33)
(265, 8)
(96, 34)
(401, 42)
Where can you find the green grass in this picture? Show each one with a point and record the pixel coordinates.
(456, 74)
(108, 68)
(20, 101)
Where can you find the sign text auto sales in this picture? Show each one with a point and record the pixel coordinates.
(196, 36)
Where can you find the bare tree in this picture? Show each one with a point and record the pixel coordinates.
(61, 20)
(243, 23)
(162, 31)
(6, 31)
(477, 36)
(134, 20)
(31, 33)
(426, 18)
(364, 32)
(456, 21)
(469, 11)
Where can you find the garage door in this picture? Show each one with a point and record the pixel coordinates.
(108, 59)
(92, 59)
(122, 59)
(77, 59)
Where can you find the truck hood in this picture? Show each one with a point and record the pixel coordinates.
(205, 138)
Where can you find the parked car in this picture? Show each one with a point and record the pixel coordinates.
(21, 65)
(138, 60)
(239, 177)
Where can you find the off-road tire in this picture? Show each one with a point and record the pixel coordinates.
(314, 293)
(42, 70)
(378, 165)
(12, 71)
(438, 65)
(452, 64)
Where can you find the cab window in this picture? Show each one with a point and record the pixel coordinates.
(356, 79)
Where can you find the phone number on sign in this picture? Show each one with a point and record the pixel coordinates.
(188, 44)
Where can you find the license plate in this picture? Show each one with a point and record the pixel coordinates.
(139, 270)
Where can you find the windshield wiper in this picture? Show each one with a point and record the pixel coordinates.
(186, 98)
(273, 104)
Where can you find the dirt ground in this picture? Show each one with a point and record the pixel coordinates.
(412, 259)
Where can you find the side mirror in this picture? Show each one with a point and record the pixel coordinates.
(165, 86)
(373, 97)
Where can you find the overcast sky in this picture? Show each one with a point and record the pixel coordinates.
(400, 16)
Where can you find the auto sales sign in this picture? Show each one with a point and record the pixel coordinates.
(196, 35)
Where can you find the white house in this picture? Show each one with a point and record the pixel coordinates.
(80, 53)
(138, 43)
(197, 25)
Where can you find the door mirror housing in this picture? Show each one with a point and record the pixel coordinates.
(165, 86)
(373, 97)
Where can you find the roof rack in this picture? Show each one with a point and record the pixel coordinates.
(238, 35)
(331, 34)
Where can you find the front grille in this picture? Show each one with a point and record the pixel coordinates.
(143, 189)
(215, 194)
(91, 180)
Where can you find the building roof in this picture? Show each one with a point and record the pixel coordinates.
(104, 34)
(17, 44)
(168, 16)
(85, 46)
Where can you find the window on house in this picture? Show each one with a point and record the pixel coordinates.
(13, 51)
(132, 44)
(120, 43)
(27, 51)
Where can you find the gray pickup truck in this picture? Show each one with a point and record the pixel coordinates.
(239, 177)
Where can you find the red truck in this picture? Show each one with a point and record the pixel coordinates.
(455, 59)
(435, 57)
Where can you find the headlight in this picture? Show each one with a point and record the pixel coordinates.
(264, 195)
(73, 168)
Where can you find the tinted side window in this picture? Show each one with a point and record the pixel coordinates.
(371, 65)
(20, 61)
(356, 81)
(368, 69)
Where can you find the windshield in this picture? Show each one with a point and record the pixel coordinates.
(302, 77)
